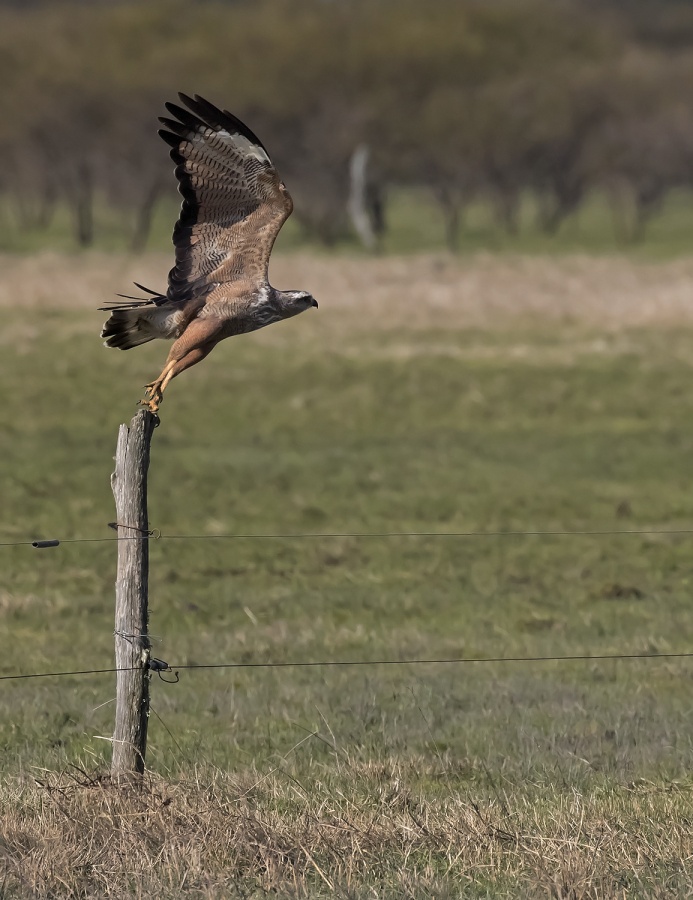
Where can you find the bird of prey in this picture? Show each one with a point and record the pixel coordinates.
(234, 204)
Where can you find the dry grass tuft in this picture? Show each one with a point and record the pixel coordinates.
(364, 834)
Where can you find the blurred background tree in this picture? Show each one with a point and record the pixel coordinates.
(500, 104)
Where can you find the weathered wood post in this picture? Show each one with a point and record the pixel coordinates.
(129, 484)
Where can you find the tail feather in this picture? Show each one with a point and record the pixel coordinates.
(157, 295)
(156, 298)
(128, 327)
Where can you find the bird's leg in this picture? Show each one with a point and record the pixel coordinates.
(154, 391)
(193, 345)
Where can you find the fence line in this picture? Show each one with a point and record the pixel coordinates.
(159, 666)
(155, 535)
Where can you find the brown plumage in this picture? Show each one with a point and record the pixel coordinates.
(234, 204)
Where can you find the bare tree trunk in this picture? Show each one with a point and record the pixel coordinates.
(558, 205)
(451, 207)
(633, 207)
(129, 485)
(552, 217)
(82, 202)
(648, 202)
(358, 198)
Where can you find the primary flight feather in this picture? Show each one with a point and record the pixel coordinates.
(234, 204)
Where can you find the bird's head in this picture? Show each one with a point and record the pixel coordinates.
(295, 302)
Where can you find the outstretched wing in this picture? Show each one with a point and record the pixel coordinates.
(234, 202)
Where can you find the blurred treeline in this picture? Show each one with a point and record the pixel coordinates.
(473, 101)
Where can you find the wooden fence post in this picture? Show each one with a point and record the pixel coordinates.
(129, 485)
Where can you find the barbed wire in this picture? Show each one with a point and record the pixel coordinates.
(159, 666)
(156, 535)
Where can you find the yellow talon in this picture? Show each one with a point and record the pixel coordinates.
(153, 396)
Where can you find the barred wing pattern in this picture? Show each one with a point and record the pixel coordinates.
(234, 202)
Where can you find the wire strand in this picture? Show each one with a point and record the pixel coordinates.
(396, 534)
(64, 674)
(353, 534)
(578, 657)
(443, 661)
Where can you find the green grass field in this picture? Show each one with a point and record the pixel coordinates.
(382, 412)
(415, 225)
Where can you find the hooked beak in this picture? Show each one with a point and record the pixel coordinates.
(314, 303)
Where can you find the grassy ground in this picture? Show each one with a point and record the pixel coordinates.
(424, 395)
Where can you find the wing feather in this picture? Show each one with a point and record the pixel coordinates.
(234, 202)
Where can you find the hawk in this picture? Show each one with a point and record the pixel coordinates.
(234, 204)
